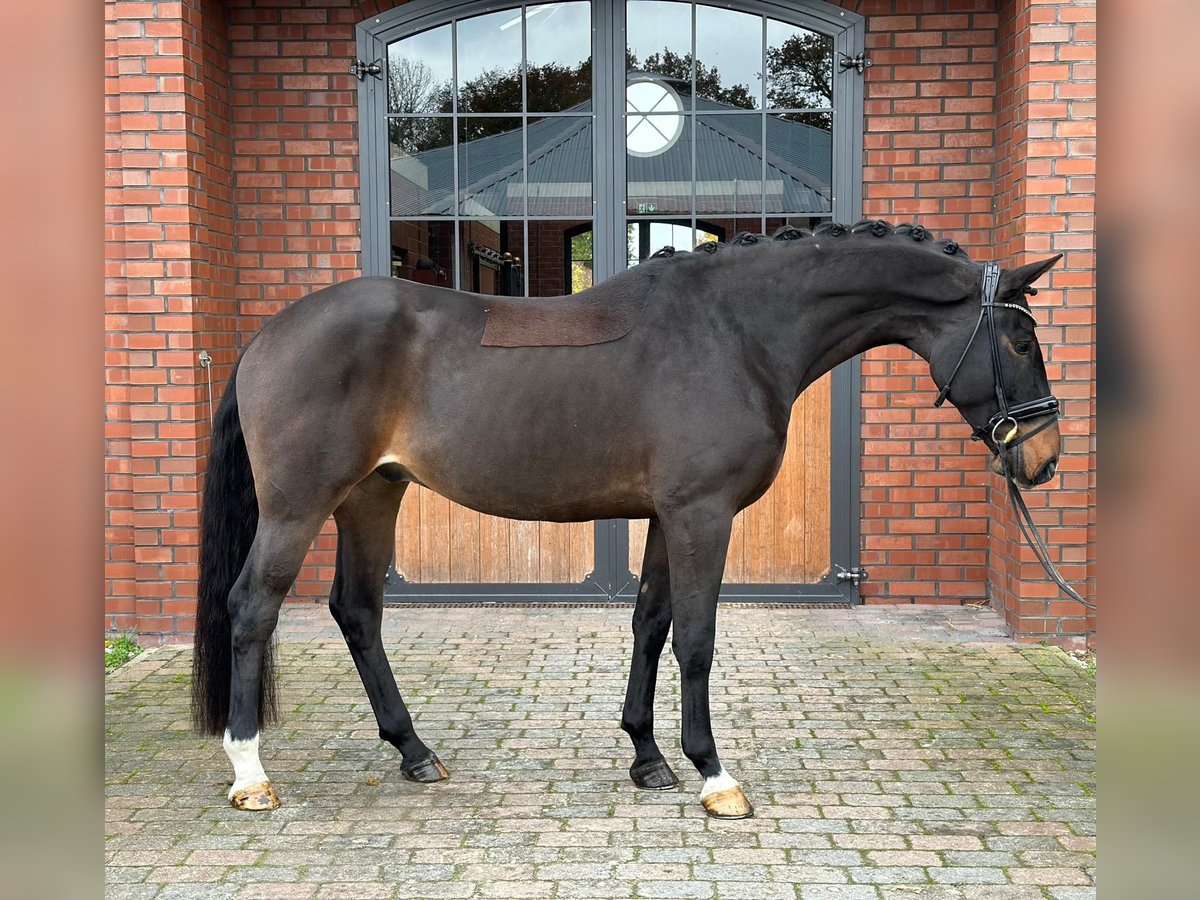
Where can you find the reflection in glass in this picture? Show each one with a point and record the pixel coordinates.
(419, 72)
(652, 116)
(558, 46)
(422, 166)
(729, 57)
(491, 255)
(491, 177)
(799, 163)
(729, 165)
(660, 41)
(581, 258)
(774, 223)
(662, 182)
(560, 166)
(423, 252)
(489, 63)
(799, 68)
(644, 238)
(560, 257)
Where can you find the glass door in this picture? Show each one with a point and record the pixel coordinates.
(537, 149)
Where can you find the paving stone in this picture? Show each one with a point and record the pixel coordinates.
(129, 891)
(968, 875)
(595, 889)
(890, 753)
(354, 891)
(839, 892)
(694, 890)
(746, 890)
(283, 891)
(887, 874)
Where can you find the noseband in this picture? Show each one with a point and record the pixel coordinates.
(1005, 414)
(1002, 427)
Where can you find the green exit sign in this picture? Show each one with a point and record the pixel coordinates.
(644, 208)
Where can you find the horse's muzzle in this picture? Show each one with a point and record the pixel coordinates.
(1044, 473)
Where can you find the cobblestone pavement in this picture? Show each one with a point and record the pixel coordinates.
(900, 752)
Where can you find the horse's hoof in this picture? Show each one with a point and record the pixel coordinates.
(654, 775)
(730, 803)
(428, 771)
(256, 798)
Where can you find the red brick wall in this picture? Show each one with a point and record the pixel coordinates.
(168, 235)
(1046, 180)
(929, 150)
(294, 115)
(233, 189)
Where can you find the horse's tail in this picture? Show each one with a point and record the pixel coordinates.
(228, 520)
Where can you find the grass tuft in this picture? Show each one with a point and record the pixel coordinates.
(118, 651)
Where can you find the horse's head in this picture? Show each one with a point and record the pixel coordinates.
(987, 362)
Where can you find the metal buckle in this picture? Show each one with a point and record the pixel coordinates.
(1012, 433)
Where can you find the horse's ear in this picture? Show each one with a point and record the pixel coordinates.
(1027, 275)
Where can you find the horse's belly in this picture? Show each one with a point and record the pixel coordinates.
(534, 493)
(537, 477)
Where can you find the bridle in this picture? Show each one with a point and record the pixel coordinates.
(1002, 427)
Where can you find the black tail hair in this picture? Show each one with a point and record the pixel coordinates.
(228, 520)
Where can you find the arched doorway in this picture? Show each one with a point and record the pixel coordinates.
(538, 148)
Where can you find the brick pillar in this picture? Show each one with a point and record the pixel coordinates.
(1045, 176)
(294, 114)
(167, 258)
(928, 154)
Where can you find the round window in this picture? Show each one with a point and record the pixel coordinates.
(653, 120)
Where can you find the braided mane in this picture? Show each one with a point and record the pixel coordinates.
(866, 228)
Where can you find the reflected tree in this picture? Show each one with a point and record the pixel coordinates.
(582, 256)
(800, 73)
(678, 66)
(411, 88)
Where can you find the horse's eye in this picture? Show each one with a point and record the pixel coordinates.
(1021, 347)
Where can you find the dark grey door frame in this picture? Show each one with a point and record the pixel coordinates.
(611, 578)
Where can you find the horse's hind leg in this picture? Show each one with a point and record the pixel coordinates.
(366, 522)
(651, 622)
(274, 561)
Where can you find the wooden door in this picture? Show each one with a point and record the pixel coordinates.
(439, 542)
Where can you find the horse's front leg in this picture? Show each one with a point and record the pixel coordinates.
(697, 541)
(651, 622)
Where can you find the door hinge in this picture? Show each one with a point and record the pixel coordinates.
(855, 575)
(361, 70)
(861, 62)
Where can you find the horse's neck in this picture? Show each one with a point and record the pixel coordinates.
(832, 305)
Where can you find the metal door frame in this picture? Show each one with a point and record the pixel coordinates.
(611, 578)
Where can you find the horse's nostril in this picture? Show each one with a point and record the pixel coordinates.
(1046, 472)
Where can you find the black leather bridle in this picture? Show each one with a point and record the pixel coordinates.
(1002, 427)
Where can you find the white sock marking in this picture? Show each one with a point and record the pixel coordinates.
(247, 770)
(721, 782)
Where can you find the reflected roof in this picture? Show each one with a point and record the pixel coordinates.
(729, 154)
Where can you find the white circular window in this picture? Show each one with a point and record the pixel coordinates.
(653, 120)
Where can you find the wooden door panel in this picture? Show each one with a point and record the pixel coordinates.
(439, 542)
(784, 537)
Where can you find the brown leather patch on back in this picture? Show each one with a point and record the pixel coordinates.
(572, 321)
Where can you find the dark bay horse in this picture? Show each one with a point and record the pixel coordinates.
(345, 398)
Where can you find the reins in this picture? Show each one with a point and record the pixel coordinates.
(1005, 439)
